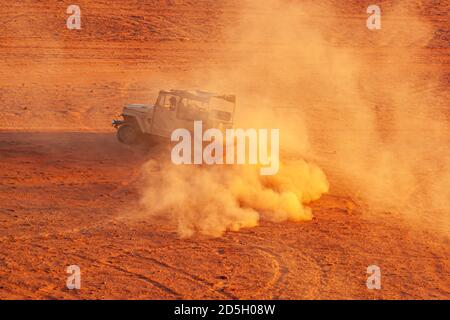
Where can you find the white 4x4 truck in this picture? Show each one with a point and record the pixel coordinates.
(175, 109)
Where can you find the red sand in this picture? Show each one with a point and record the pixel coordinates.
(62, 191)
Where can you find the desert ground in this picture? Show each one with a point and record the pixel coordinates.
(66, 182)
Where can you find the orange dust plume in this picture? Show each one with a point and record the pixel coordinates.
(210, 200)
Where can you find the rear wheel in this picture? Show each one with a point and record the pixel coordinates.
(128, 134)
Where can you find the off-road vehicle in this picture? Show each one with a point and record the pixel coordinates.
(174, 109)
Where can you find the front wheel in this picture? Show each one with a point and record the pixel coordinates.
(128, 134)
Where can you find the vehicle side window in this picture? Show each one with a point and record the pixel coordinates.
(170, 102)
(192, 110)
(197, 105)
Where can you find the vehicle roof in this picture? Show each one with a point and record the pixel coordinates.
(198, 94)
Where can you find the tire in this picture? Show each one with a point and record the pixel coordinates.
(128, 134)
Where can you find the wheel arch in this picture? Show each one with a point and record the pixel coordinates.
(133, 121)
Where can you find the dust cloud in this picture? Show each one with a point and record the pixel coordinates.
(210, 200)
(352, 100)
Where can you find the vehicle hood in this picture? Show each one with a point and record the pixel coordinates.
(138, 107)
